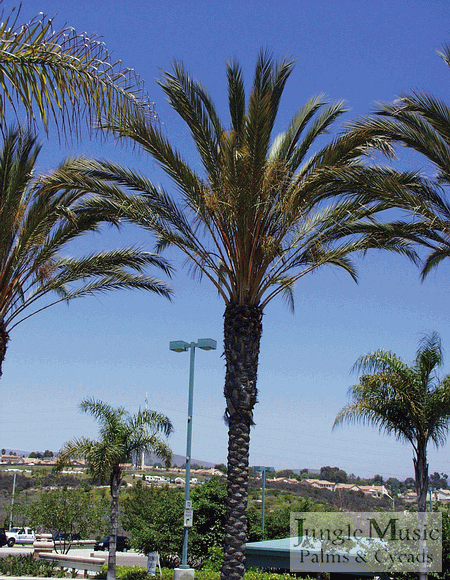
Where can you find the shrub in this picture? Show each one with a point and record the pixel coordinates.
(25, 566)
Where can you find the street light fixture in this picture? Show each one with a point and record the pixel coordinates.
(182, 346)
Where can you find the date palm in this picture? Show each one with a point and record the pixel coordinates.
(254, 222)
(407, 401)
(122, 437)
(59, 75)
(39, 217)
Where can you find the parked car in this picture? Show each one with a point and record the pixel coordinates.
(122, 545)
(20, 536)
(3, 538)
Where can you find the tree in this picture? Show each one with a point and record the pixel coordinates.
(59, 75)
(333, 474)
(409, 402)
(154, 516)
(121, 436)
(66, 511)
(254, 224)
(39, 218)
(438, 480)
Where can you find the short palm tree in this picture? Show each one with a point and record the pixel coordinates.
(254, 222)
(38, 218)
(410, 402)
(122, 437)
(59, 75)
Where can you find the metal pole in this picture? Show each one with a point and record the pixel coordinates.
(263, 498)
(12, 501)
(188, 451)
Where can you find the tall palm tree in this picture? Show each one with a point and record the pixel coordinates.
(39, 217)
(59, 75)
(122, 438)
(410, 402)
(254, 223)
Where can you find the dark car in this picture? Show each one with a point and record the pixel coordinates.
(3, 538)
(122, 545)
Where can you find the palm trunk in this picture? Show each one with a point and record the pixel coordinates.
(113, 523)
(242, 336)
(4, 338)
(421, 475)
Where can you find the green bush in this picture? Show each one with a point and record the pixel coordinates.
(25, 566)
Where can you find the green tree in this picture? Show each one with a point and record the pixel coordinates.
(62, 76)
(39, 218)
(154, 518)
(122, 436)
(66, 511)
(254, 223)
(209, 505)
(438, 480)
(409, 402)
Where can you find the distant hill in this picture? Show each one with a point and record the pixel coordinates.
(177, 461)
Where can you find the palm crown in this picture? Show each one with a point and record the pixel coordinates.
(256, 222)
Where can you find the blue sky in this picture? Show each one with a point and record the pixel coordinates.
(116, 347)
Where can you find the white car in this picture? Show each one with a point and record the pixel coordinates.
(20, 536)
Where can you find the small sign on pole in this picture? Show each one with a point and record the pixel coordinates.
(188, 518)
(152, 563)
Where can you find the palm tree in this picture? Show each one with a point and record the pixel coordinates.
(60, 76)
(122, 438)
(38, 218)
(410, 402)
(254, 224)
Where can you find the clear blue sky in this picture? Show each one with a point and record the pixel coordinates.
(116, 347)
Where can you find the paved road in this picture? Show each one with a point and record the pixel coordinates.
(130, 558)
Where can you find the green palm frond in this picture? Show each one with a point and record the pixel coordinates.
(40, 216)
(59, 75)
(421, 122)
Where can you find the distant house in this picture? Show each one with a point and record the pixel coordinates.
(409, 496)
(347, 487)
(321, 483)
(442, 495)
(11, 460)
(374, 490)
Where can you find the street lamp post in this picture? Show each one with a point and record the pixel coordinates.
(263, 470)
(182, 346)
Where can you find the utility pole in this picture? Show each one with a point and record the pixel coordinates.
(143, 453)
